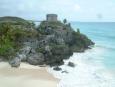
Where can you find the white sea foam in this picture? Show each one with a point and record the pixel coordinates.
(89, 70)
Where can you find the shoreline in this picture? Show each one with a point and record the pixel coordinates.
(88, 72)
(26, 76)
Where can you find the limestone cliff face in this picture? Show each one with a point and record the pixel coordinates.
(50, 43)
(60, 41)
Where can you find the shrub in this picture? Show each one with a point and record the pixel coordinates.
(9, 37)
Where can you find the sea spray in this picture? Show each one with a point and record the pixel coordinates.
(89, 70)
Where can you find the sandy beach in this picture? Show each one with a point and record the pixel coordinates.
(25, 76)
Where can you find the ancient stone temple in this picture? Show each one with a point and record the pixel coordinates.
(51, 17)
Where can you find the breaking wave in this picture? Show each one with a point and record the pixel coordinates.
(88, 72)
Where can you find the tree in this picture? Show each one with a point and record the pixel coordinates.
(64, 21)
(78, 31)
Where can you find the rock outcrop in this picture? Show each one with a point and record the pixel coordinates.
(71, 64)
(15, 62)
(36, 59)
(50, 43)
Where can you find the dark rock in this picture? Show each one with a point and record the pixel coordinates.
(57, 68)
(64, 72)
(36, 59)
(23, 57)
(26, 50)
(2, 59)
(15, 62)
(71, 64)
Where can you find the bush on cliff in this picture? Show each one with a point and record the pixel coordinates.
(6, 38)
(9, 37)
(79, 42)
(14, 20)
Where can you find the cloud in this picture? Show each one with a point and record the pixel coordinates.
(71, 9)
(34, 6)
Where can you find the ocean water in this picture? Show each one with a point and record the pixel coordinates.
(103, 34)
(95, 67)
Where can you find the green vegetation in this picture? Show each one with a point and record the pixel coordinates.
(9, 37)
(15, 20)
(80, 41)
(6, 40)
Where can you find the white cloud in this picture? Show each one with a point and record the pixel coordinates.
(70, 9)
(36, 8)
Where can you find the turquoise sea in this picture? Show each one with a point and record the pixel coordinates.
(95, 67)
(103, 34)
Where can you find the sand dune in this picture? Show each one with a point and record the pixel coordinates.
(25, 76)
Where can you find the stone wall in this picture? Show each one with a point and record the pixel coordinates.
(51, 17)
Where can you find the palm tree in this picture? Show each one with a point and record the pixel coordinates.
(64, 21)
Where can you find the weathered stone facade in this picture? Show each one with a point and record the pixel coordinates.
(51, 17)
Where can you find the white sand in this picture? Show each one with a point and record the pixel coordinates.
(25, 76)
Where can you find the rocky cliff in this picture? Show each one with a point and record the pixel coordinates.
(50, 43)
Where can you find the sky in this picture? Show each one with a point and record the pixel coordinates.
(72, 10)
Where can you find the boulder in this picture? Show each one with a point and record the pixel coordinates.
(2, 59)
(15, 62)
(26, 50)
(64, 72)
(22, 57)
(36, 59)
(71, 64)
(57, 68)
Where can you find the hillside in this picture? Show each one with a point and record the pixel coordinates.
(12, 19)
(50, 43)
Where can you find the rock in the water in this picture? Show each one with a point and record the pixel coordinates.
(15, 62)
(36, 59)
(71, 64)
(64, 72)
(57, 68)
